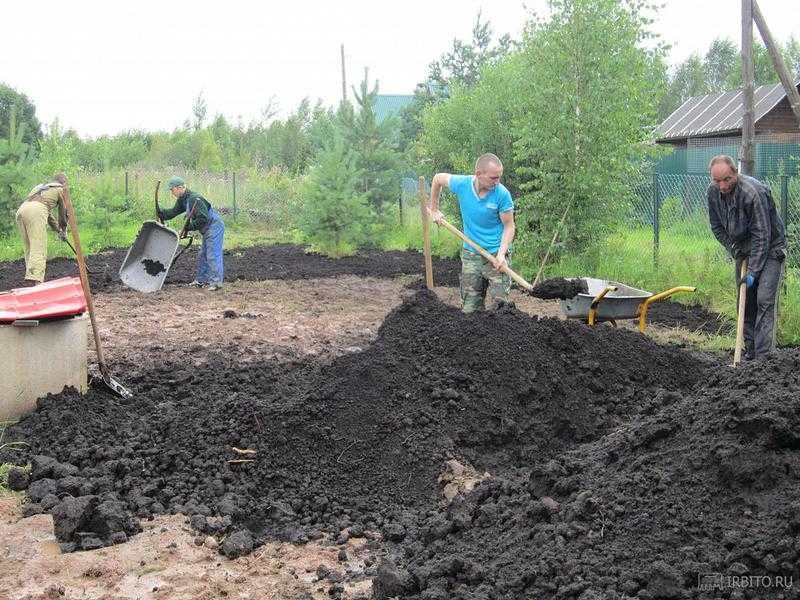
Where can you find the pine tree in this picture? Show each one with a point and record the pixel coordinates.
(336, 218)
(14, 157)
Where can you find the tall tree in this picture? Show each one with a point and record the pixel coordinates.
(14, 157)
(460, 67)
(463, 63)
(690, 79)
(25, 115)
(721, 60)
(374, 148)
(199, 110)
(585, 105)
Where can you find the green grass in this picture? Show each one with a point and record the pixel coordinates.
(443, 243)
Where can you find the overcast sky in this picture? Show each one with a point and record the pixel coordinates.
(116, 66)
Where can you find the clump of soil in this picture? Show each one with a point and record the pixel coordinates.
(153, 267)
(357, 444)
(559, 288)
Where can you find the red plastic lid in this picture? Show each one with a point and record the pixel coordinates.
(49, 300)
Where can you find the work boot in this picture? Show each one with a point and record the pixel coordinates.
(214, 287)
(197, 284)
(30, 283)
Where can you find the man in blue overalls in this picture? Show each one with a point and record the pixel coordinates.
(200, 217)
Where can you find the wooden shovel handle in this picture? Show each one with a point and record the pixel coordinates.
(158, 208)
(737, 353)
(87, 292)
(485, 254)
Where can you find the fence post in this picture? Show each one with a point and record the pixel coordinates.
(656, 219)
(785, 200)
(234, 194)
(400, 201)
(126, 187)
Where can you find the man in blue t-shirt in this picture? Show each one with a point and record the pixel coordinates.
(487, 212)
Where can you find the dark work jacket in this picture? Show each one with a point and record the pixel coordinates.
(746, 223)
(200, 218)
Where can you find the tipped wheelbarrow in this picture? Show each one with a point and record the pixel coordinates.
(153, 253)
(611, 301)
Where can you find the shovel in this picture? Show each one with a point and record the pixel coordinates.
(493, 260)
(563, 288)
(112, 384)
(737, 353)
(102, 271)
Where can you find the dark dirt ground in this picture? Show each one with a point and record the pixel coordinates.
(614, 467)
(619, 467)
(292, 262)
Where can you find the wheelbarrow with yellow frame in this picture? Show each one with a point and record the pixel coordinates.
(610, 301)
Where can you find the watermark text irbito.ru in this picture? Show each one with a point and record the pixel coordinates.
(717, 581)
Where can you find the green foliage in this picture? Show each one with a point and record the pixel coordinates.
(472, 122)
(460, 67)
(57, 150)
(337, 219)
(578, 139)
(568, 113)
(14, 171)
(463, 64)
(12, 101)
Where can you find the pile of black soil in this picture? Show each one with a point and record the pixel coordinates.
(690, 316)
(696, 497)
(343, 447)
(257, 263)
(559, 288)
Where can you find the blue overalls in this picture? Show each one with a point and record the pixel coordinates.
(209, 260)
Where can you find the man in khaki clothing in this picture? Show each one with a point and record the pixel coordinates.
(33, 217)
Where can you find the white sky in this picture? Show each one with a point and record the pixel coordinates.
(139, 65)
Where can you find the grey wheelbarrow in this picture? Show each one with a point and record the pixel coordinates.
(153, 253)
(610, 300)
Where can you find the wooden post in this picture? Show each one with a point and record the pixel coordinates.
(344, 82)
(84, 275)
(777, 61)
(656, 220)
(747, 165)
(426, 232)
(233, 179)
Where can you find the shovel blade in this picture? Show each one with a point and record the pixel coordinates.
(112, 385)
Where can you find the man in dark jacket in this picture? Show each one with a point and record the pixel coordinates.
(744, 220)
(200, 217)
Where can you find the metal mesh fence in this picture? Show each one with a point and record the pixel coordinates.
(675, 208)
(671, 201)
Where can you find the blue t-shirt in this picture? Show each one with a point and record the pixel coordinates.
(481, 216)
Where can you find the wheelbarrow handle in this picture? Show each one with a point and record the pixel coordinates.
(485, 254)
(645, 306)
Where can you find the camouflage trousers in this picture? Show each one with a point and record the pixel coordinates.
(479, 279)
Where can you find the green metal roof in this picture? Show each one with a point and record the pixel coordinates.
(387, 105)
